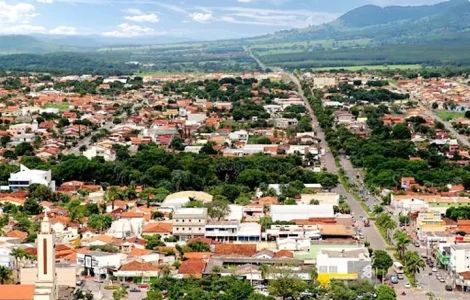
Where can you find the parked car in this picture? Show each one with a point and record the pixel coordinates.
(134, 290)
(416, 243)
(449, 288)
(143, 285)
(400, 276)
(407, 285)
(434, 269)
(394, 279)
(442, 279)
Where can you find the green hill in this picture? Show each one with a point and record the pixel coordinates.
(16, 44)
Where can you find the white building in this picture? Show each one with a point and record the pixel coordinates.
(321, 82)
(239, 135)
(99, 151)
(126, 227)
(301, 212)
(98, 262)
(344, 263)
(189, 222)
(25, 177)
(459, 258)
(6, 260)
(322, 198)
(179, 199)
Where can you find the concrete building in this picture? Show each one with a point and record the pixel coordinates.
(189, 222)
(25, 177)
(321, 82)
(66, 275)
(343, 264)
(98, 263)
(6, 260)
(459, 265)
(301, 212)
(100, 151)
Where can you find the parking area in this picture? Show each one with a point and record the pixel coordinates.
(95, 287)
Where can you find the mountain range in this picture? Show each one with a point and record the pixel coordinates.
(440, 24)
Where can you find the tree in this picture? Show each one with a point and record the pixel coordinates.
(41, 192)
(120, 293)
(100, 222)
(5, 275)
(385, 292)
(80, 295)
(401, 241)
(218, 209)
(23, 149)
(177, 144)
(31, 207)
(435, 105)
(286, 284)
(414, 263)
(153, 241)
(19, 254)
(154, 294)
(467, 114)
(199, 247)
(401, 132)
(112, 194)
(251, 178)
(382, 262)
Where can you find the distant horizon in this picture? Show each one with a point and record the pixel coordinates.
(194, 20)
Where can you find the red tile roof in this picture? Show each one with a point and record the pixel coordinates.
(235, 249)
(158, 228)
(193, 267)
(16, 292)
(139, 266)
(17, 234)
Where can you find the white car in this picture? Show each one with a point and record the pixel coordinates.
(434, 269)
(407, 285)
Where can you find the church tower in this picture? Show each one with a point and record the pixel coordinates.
(46, 282)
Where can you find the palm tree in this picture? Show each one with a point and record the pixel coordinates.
(402, 241)
(414, 263)
(19, 254)
(5, 275)
(265, 269)
(112, 195)
(386, 222)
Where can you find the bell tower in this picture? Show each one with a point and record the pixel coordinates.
(46, 282)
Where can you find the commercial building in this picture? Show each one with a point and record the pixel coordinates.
(343, 264)
(98, 263)
(25, 177)
(301, 212)
(459, 265)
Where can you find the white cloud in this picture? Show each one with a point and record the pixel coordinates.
(201, 17)
(128, 30)
(21, 29)
(151, 18)
(44, 1)
(16, 13)
(133, 11)
(64, 30)
(244, 1)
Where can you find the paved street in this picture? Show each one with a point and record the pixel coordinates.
(108, 294)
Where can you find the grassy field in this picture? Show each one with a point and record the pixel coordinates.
(61, 106)
(449, 115)
(372, 67)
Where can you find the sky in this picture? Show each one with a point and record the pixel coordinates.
(197, 19)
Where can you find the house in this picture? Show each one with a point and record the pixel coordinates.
(343, 117)
(343, 264)
(247, 250)
(189, 222)
(137, 272)
(222, 230)
(99, 151)
(161, 228)
(407, 182)
(239, 135)
(191, 268)
(130, 224)
(25, 177)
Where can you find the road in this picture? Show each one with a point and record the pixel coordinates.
(86, 141)
(371, 234)
(259, 62)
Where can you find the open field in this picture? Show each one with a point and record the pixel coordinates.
(371, 67)
(60, 106)
(449, 115)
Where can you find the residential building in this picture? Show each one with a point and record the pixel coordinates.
(25, 177)
(138, 272)
(285, 123)
(6, 260)
(239, 135)
(459, 265)
(189, 222)
(222, 230)
(99, 151)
